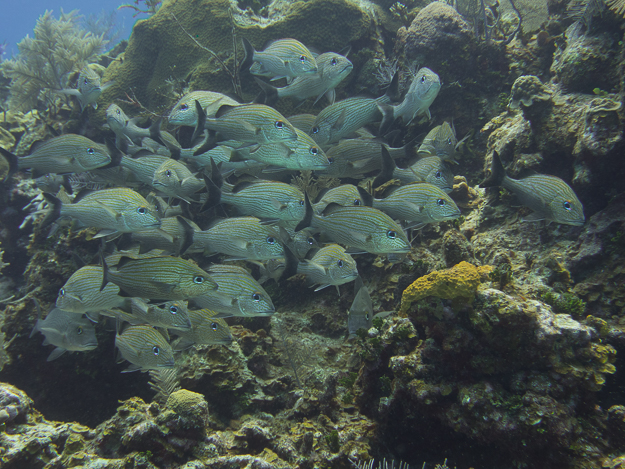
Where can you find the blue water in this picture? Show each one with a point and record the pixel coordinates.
(16, 21)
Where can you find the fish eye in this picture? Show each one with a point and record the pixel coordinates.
(90, 150)
(423, 79)
(315, 130)
(214, 326)
(314, 150)
(184, 107)
(142, 210)
(62, 292)
(86, 81)
(168, 173)
(367, 316)
(333, 61)
(567, 205)
(256, 296)
(271, 240)
(440, 202)
(79, 330)
(279, 124)
(302, 58)
(173, 309)
(438, 175)
(391, 234)
(156, 350)
(311, 241)
(330, 160)
(448, 140)
(302, 203)
(340, 263)
(198, 279)
(118, 111)
(357, 202)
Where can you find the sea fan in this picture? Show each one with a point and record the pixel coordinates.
(164, 381)
(583, 11)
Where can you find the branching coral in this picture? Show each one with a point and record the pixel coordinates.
(458, 283)
(45, 62)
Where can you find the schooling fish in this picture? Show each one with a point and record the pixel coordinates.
(365, 229)
(158, 278)
(441, 141)
(300, 154)
(170, 315)
(279, 59)
(126, 129)
(174, 179)
(81, 293)
(114, 211)
(250, 123)
(237, 294)
(66, 331)
(68, 153)
(89, 88)
(345, 195)
(549, 197)
(206, 329)
(331, 265)
(145, 348)
(332, 69)
(185, 113)
(242, 238)
(169, 237)
(360, 314)
(344, 117)
(420, 95)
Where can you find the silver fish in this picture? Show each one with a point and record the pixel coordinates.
(331, 265)
(441, 141)
(159, 278)
(52, 183)
(279, 59)
(364, 229)
(145, 348)
(237, 294)
(300, 242)
(81, 293)
(418, 203)
(241, 238)
(549, 197)
(89, 88)
(345, 195)
(169, 237)
(185, 113)
(126, 129)
(68, 153)
(206, 329)
(170, 315)
(300, 154)
(118, 210)
(269, 200)
(360, 315)
(174, 179)
(420, 95)
(66, 331)
(332, 69)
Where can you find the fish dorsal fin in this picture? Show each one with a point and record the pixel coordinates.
(331, 208)
(242, 185)
(82, 194)
(340, 122)
(123, 261)
(223, 109)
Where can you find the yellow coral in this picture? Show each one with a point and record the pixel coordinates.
(186, 402)
(458, 283)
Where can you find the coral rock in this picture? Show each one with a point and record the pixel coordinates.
(527, 89)
(458, 283)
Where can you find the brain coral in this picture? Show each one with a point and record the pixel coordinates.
(187, 403)
(458, 283)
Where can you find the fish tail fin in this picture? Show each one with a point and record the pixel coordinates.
(367, 198)
(271, 92)
(188, 234)
(201, 121)
(290, 264)
(155, 131)
(115, 153)
(388, 166)
(12, 161)
(249, 55)
(213, 184)
(393, 89)
(388, 118)
(306, 221)
(54, 213)
(66, 184)
(105, 271)
(497, 173)
(39, 314)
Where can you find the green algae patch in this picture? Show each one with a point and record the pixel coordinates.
(458, 283)
(160, 56)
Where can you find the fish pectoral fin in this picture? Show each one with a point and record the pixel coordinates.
(164, 234)
(321, 287)
(275, 203)
(131, 368)
(104, 233)
(56, 353)
(534, 216)
(165, 287)
(248, 126)
(269, 221)
(355, 251)
(340, 122)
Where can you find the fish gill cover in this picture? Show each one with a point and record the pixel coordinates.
(179, 205)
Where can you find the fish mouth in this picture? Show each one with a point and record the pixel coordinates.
(347, 67)
(168, 364)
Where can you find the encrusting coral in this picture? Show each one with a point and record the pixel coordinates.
(458, 283)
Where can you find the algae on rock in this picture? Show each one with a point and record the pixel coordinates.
(45, 62)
